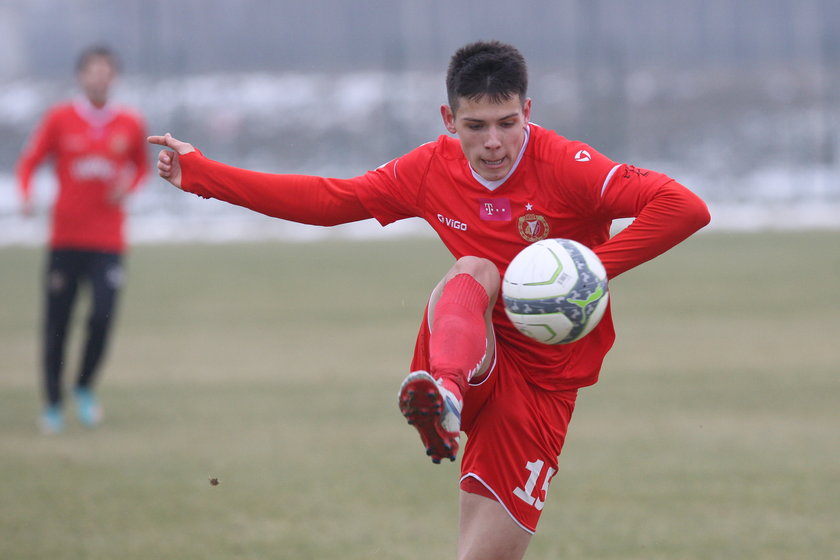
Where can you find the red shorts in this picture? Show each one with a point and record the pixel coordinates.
(515, 432)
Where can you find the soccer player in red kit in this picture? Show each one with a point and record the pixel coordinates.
(502, 184)
(99, 154)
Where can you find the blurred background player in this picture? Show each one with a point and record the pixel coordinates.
(99, 155)
(499, 183)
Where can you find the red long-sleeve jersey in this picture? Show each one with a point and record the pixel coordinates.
(558, 188)
(97, 153)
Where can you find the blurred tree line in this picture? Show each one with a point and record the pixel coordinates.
(41, 37)
(719, 87)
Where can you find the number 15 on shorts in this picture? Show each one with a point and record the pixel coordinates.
(526, 494)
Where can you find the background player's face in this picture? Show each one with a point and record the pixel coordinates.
(491, 133)
(95, 79)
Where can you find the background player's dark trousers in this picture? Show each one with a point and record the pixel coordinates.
(66, 271)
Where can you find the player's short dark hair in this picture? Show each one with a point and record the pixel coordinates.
(488, 69)
(97, 51)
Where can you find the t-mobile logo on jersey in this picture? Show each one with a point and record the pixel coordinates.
(494, 209)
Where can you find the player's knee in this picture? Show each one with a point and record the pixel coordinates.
(483, 270)
(56, 282)
(99, 319)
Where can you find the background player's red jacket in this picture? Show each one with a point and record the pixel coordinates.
(558, 188)
(95, 151)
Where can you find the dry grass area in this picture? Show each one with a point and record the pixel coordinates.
(273, 368)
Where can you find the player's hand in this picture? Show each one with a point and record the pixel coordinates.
(27, 208)
(169, 166)
(118, 195)
(122, 186)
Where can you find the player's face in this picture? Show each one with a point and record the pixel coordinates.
(95, 79)
(491, 133)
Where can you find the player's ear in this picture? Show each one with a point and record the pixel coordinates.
(448, 118)
(526, 110)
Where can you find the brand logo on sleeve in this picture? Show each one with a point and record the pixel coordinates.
(583, 156)
(494, 209)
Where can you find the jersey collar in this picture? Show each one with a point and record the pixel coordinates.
(97, 117)
(493, 185)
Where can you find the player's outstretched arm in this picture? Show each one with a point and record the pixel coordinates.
(169, 164)
(298, 198)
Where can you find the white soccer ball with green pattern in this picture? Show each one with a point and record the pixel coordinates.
(555, 291)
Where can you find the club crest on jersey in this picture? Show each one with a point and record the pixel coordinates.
(120, 144)
(533, 227)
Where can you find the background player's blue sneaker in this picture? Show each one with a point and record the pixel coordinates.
(52, 420)
(434, 411)
(87, 407)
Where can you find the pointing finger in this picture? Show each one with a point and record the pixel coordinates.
(170, 142)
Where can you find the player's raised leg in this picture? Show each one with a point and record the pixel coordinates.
(461, 348)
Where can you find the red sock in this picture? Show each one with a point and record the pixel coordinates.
(459, 338)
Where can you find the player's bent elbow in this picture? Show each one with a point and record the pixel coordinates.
(700, 215)
(694, 213)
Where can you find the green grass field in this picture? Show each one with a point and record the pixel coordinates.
(714, 432)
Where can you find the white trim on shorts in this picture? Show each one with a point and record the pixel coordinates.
(499, 500)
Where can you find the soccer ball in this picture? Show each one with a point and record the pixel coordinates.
(555, 291)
